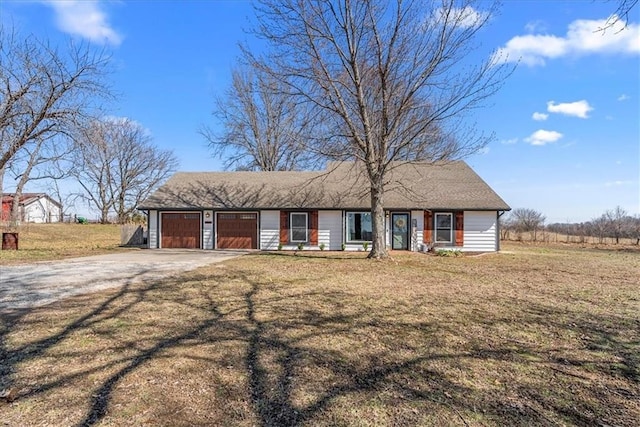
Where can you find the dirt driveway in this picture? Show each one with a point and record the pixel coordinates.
(31, 285)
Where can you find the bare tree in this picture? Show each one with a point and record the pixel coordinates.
(507, 225)
(388, 80)
(614, 224)
(39, 160)
(2, 172)
(527, 220)
(621, 14)
(599, 227)
(634, 228)
(262, 126)
(617, 223)
(66, 198)
(44, 92)
(117, 166)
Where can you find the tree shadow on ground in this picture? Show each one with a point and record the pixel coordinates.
(108, 308)
(390, 374)
(302, 362)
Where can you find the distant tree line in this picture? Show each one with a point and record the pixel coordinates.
(614, 224)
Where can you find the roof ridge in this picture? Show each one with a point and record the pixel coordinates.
(420, 185)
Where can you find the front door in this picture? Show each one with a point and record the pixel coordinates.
(400, 231)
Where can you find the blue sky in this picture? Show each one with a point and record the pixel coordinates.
(566, 122)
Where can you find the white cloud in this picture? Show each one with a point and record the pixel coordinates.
(466, 17)
(86, 19)
(120, 120)
(543, 137)
(582, 38)
(484, 150)
(469, 17)
(509, 141)
(623, 97)
(535, 26)
(577, 109)
(540, 117)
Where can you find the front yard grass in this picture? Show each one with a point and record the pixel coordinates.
(532, 336)
(44, 242)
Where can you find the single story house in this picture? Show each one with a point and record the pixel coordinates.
(444, 205)
(34, 207)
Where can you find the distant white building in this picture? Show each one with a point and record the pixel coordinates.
(34, 207)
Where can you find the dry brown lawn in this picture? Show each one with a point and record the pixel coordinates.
(531, 336)
(41, 242)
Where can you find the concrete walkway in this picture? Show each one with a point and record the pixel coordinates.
(41, 283)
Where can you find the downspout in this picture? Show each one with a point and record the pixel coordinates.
(146, 213)
(500, 213)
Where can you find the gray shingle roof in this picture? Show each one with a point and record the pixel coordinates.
(447, 185)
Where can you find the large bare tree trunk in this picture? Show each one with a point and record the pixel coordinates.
(2, 169)
(15, 217)
(23, 178)
(379, 244)
(104, 216)
(388, 81)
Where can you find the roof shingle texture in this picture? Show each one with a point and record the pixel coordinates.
(446, 186)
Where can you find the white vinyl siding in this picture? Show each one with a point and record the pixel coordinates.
(269, 230)
(356, 246)
(330, 229)
(153, 229)
(480, 231)
(207, 230)
(40, 211)
(55, 213)
(417, 232)
(35, 212)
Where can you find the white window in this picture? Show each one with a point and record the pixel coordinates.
(298, 230)
(444, 227)
(359, 227)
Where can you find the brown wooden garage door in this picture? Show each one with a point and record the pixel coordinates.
(237, 231)
(181, 230)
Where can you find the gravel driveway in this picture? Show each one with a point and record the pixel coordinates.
(36, 284)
